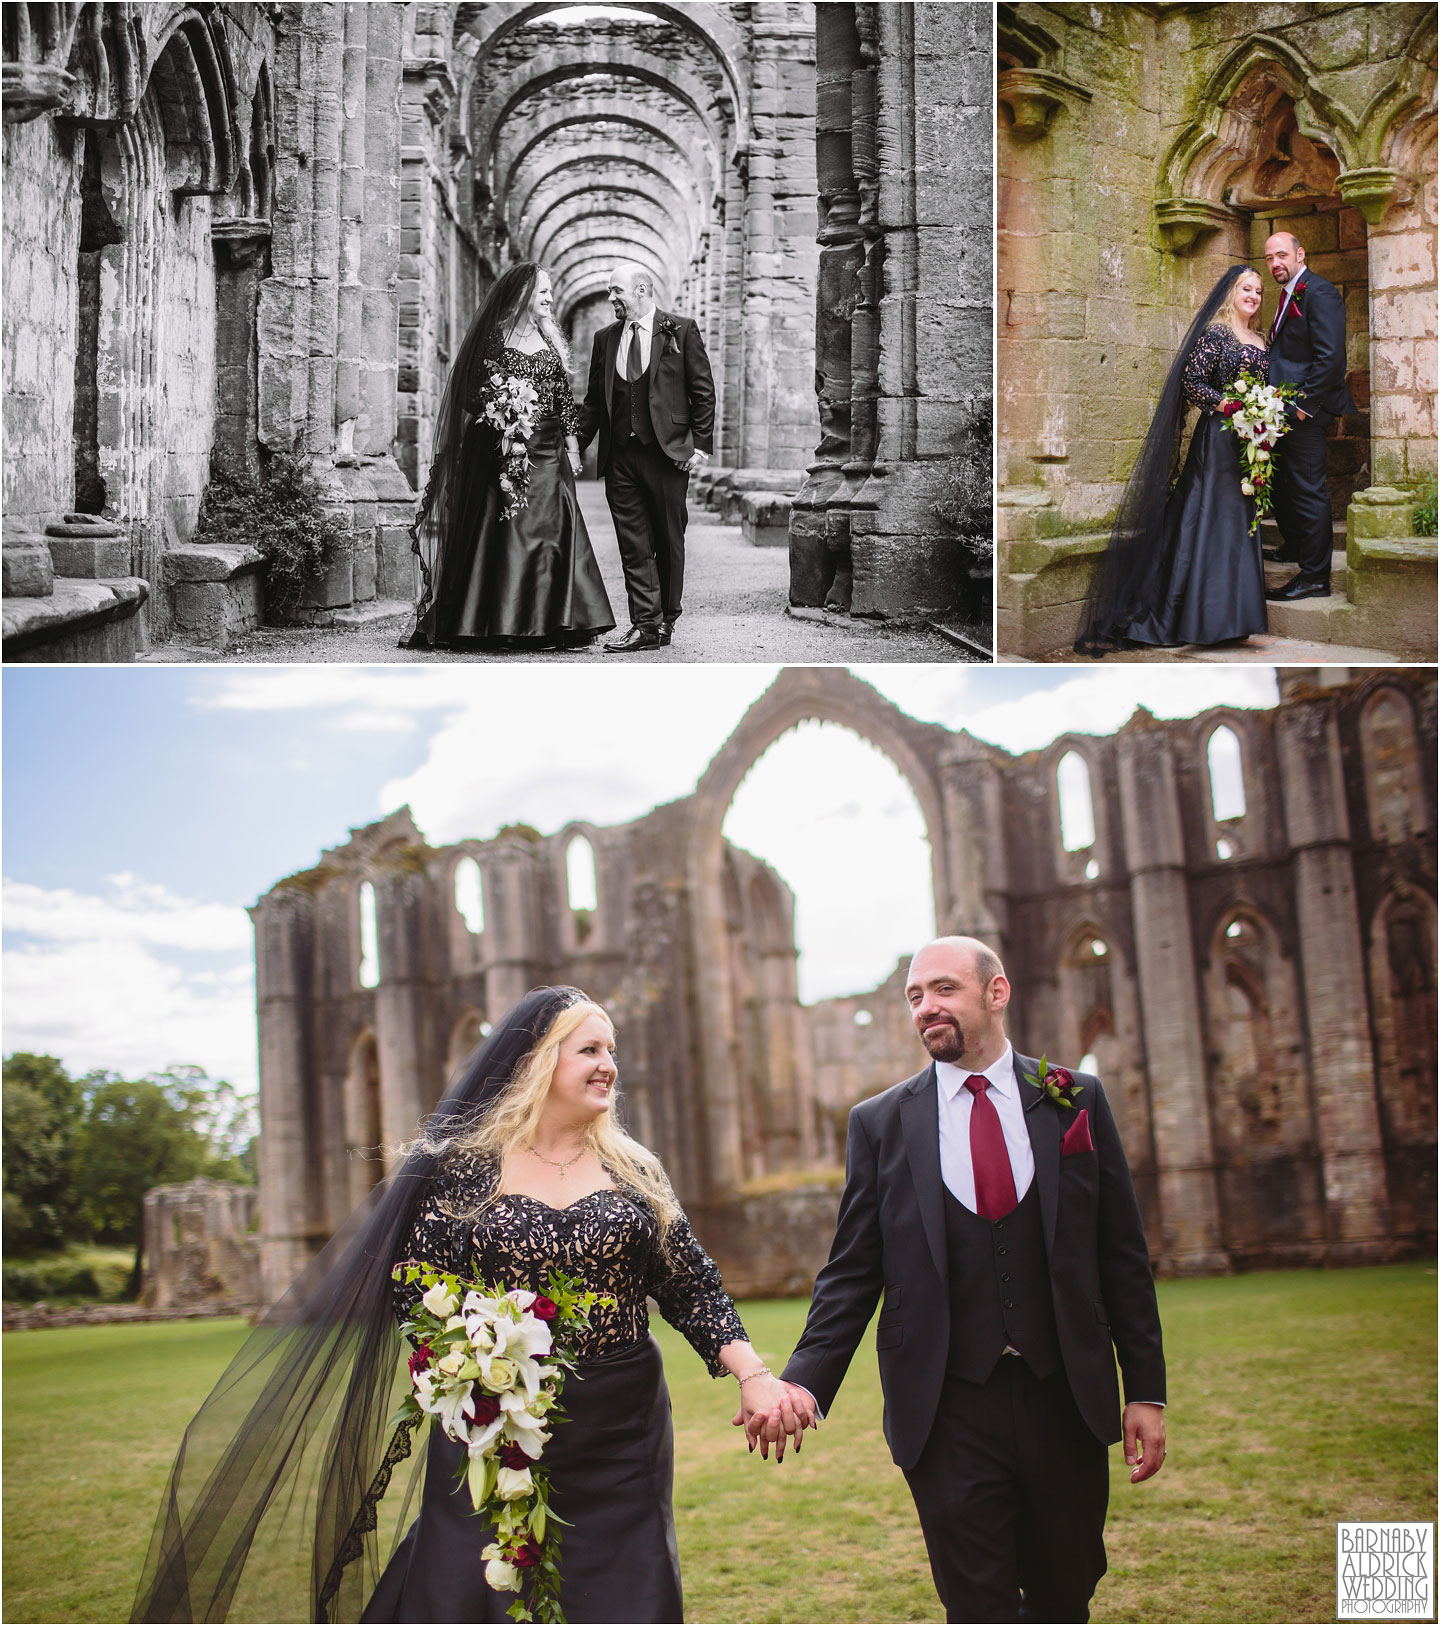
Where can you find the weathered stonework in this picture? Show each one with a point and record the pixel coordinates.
(904, 309)
(1142, 149)
(201, 1248)
(1257, 990)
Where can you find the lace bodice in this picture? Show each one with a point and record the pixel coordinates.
(1219, 357)
(610, 1240)
(544, 371)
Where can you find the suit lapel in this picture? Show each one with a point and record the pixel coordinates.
(1043, 1123)
(612, 350)
(657, 338)
(920, 1122)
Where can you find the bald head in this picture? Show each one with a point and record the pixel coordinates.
(1284, 255)
(631, 290)
(957, 992)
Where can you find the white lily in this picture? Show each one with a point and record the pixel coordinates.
(531, 1337)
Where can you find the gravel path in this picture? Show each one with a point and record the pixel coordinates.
(735, 610)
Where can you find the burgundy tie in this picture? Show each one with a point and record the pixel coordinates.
(633, 369)
(994, 1181)
(1275, 325)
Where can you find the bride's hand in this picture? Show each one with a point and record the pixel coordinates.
(576, 463)
(769, 1414)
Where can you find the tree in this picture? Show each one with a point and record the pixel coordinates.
(43, 1109)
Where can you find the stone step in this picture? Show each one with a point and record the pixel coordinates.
(365, 615)
(765, 519)
(78, 621)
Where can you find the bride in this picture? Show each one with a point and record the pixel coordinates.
(273, 1501)
(1182, 566)
(488, 578)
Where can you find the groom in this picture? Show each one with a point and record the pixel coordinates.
(652, 398)
(1307, 347)
(1001, 1227)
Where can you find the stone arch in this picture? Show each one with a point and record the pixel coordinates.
(1390, 752)
(1261, 1111)
(1077, 863)
(708, 25)
(465, 1035)
(361, 1107)
(1099, 1016)
(797, 695)
(582, 927)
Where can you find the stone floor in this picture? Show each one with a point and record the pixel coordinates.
(735, 610)
(1271, 650)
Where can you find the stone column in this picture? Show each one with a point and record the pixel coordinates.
(1332, 966)
(284, 951)
(978, 864)
(922, 331)
(512, 934)
(404, 1040)
(820, 517)
(1169, 1003)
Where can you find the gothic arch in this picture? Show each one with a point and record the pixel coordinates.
(1395, 805)
(797, 695)
(361, 1105)
(465, 1034)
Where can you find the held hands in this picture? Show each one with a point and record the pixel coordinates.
(1144, 1427)
(773, 1412)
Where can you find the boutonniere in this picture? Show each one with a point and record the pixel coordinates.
(667, 330)
(1295, 309)
(1057, 1082)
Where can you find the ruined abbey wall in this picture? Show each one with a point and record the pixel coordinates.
(1142, 150)
(1253, 977)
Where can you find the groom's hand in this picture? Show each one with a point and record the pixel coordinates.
(1144, 1427)
(787, 1419)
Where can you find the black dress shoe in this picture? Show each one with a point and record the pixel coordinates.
(1300, 587)
(1278, 556)
(636, 638)
(667, 632)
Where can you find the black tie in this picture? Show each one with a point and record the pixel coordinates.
(633, 368)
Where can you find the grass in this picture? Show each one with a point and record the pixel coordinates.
(54, 1276)
(1297, 1399)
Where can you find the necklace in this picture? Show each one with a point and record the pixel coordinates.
(561, 1166)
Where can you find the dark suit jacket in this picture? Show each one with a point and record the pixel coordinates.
(681, 389)
(1309, 349)
(890, 1238)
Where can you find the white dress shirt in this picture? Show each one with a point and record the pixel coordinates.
(646, 328)
(956, 1105)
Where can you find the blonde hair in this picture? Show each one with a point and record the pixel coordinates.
(511, 1122)
(1238, 325)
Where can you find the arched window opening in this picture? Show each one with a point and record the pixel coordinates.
(369, 938)
(1224, 849)
(1089, 1062)
(1077, 815)
(470, 896)
(1092, 870)
(1099, 948)
(1227, 776)
(863, 1019)
(580, 885)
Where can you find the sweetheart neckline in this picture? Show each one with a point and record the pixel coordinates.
(598, 1192)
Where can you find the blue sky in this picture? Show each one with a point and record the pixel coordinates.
(144, 808)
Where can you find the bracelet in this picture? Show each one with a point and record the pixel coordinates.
(759, 1372)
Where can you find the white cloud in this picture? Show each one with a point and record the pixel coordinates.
(1100, 702)
(128, 980)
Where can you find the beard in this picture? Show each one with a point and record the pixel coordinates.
(945, 1042)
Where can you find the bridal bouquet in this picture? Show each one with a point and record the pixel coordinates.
(508, 406)
(1255, 412)
(489, 1367)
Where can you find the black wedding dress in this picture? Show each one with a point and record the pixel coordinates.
(611, 1459)
(529, 581)
(1212, 588)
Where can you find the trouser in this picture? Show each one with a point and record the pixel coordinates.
(1011, 1490)
(1302, 503)
(646, 493)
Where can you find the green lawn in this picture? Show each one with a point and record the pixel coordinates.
(1296, 1399)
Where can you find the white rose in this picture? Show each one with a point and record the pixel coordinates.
(450, 1364)
(1247, 488)
(1261, 455)
(502, 1577)
(500, 1375)
(513, 1483)
(440, 1301)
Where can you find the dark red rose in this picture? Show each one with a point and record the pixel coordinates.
(1229, 408)
(420, 1359)
(526, 1555)
(544, 1309)
(511, 1455)
(483, 1408)
(1062, 1078)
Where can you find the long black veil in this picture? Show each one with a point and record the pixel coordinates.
(278, 1476)
(440, 503)
(1134, 571)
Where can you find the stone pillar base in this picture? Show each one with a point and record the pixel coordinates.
(216, 591)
